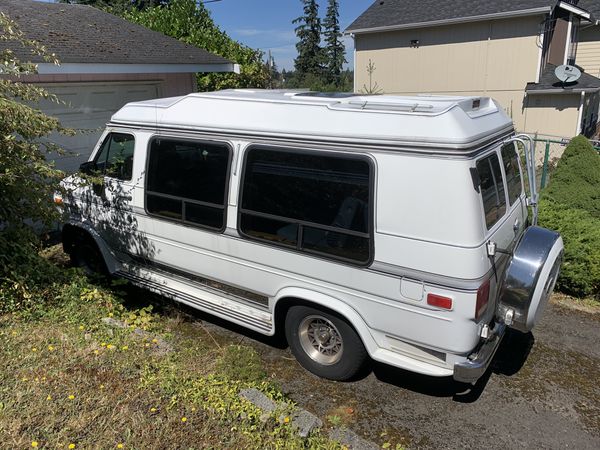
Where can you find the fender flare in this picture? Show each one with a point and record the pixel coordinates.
(309, 296)
(112, 263)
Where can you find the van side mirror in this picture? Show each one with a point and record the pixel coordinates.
(88, 167)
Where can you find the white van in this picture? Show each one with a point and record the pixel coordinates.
(388, 227)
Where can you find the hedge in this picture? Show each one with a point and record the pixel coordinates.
(571, 205)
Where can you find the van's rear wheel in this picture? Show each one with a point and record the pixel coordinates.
(324, 343)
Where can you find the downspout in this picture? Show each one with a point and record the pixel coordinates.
(353, 36)
(580, 116)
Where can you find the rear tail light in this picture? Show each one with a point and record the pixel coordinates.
(483, 297)
(439, 301)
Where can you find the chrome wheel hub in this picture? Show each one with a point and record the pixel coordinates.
(321, 340)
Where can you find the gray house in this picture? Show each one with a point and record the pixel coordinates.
(105, 62)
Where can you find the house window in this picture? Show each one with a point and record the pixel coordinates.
(492, 189)
(115, 157)
(187, 181)
(311, 202)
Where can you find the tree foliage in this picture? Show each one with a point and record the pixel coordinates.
(27, 180)
(310, 57)
(191, 23)
(335, 51)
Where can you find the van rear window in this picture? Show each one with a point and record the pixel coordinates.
(311, 202)
(492, 189)
(510, 159)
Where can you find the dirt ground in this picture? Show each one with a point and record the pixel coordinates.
(542, 391)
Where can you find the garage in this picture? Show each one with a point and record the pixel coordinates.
(87, 108)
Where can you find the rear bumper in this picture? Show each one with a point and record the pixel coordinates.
(472, 369)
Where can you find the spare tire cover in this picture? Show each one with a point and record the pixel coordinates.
(530, 278)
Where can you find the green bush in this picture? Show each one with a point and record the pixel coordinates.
(580, 272)
(576, 180)
(571, 205)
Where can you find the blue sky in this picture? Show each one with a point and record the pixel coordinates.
(267, 24)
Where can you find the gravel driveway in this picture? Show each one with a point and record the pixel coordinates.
(543, 391)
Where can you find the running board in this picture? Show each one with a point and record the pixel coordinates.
(199, 297)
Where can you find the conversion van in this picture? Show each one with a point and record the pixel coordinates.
(393, 228)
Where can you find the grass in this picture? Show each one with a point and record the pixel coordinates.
(71, 381)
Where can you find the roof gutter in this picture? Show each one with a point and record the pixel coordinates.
(92, 68)
(561, 91)
(458, 20)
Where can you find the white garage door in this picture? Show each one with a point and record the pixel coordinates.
(88, 107)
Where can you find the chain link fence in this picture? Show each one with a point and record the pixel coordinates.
(548, 150)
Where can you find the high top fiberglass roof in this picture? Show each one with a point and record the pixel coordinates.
(452, 122)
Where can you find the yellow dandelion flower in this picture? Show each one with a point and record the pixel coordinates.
(184, 419)
(110, 314)
(43, 378)
(125, 347)
(71, 397)
(286, 420)
(146, 344)
(33, 349)
(24, 379)
(155, 341)
(37, 379)
(96, 352)
(103, 344)
(193, 409)
(81, 328)
(50, 348)
(110, 346)
(153, 410)
(119, 445)
(34, 444)
(101, 386)
(49, 397)
(71, 446)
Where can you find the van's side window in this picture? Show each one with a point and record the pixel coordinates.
(115, 157)
(492, 189)
(187, 181)
(510, 159)
(315, 203)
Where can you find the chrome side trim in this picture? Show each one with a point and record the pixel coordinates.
(459, 150)
(472, 369)
(199, 303)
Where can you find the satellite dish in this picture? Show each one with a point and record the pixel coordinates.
(567, 74)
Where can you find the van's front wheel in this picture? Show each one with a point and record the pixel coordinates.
(324, 343)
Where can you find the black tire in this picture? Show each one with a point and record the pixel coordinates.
(86, 255)
(337, 353)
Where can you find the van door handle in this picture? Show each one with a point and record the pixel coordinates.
(517, 225)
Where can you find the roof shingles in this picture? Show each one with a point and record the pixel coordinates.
(390, 13)
(83, 34)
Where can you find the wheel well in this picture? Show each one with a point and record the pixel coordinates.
(72, 234)
(284, 304)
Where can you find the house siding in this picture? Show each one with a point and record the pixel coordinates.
(554, 115)
(478, 58)
(588, 51)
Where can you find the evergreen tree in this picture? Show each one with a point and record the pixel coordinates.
(335, 52)
(310, 53)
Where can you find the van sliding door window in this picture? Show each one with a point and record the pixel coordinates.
(187, 181)
(492, 189)
(115, 157)
(311, 202)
